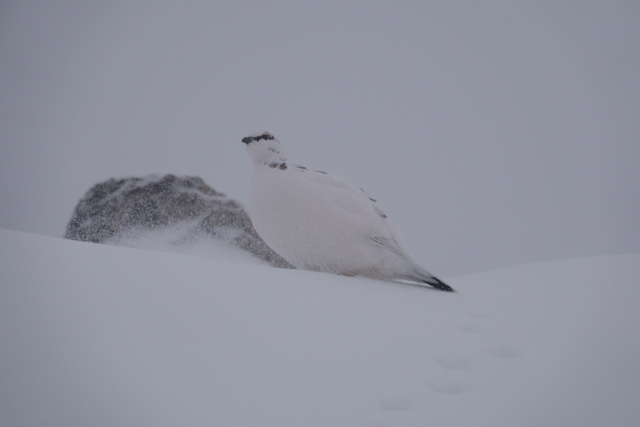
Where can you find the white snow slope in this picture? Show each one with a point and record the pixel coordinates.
(97, 335)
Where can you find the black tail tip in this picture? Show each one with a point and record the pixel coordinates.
(439, 284)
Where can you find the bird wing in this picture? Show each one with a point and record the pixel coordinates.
(344, 195)
(388, 244)
(364, 210)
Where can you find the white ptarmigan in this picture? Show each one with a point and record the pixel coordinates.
(322, 222)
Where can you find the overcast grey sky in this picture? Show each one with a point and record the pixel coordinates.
(494, 133)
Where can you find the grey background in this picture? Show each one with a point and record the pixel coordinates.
(494, 133)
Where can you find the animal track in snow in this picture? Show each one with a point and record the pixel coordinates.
(461, 364)
(503, 352)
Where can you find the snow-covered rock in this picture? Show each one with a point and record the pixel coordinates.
(180, 209)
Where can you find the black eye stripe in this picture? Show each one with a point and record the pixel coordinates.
(267, 136)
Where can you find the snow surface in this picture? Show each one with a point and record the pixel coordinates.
(99, 335)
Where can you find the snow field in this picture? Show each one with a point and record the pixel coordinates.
(103, 335)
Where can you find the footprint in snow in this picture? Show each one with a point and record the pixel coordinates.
(472, 329)
(503, 352)
(460, 364)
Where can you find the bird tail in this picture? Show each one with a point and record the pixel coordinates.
(423, 276)
(438, 284)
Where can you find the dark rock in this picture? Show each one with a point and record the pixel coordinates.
(118, 208)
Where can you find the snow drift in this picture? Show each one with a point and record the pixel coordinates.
(102, 335)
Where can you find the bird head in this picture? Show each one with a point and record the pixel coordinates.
(264, 148)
